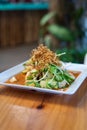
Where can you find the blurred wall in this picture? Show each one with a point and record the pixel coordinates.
(19, 27)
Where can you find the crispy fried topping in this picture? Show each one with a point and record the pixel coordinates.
(42, 56)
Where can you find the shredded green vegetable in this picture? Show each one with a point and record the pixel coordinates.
(53, 77)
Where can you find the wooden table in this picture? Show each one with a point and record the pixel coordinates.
(25, 110)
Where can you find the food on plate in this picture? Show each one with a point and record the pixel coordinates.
(45, 70)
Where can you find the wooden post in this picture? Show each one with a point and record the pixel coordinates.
(58, 6)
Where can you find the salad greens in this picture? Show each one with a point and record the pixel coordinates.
(52, 77)
(45, 70)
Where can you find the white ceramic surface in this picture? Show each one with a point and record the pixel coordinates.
(69, 66)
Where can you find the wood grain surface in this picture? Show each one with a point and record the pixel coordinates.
(27, 110)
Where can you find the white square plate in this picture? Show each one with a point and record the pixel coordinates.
(4, 76)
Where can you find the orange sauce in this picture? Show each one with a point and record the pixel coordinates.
(75, 73)
(21, 78)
